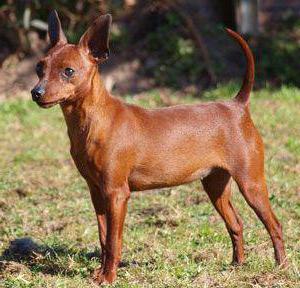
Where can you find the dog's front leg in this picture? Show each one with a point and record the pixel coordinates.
(100, 210)
(116, 198)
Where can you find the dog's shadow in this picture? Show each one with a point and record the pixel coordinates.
(46, 259)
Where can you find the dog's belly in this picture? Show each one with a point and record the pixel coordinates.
(139, 181)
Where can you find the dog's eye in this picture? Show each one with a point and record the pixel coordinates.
(69, 72)
(39, 69)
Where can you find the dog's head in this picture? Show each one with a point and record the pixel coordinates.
(67, 69)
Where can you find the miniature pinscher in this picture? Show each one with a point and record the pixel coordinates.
(119, 147)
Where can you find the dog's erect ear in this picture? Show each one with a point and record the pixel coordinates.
(55, 32)
(95, 40)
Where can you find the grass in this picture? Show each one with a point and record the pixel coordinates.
(173, 237)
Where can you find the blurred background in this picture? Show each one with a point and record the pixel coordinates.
(166, 44)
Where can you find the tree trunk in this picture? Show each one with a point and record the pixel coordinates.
(129, 3)
(247, 21)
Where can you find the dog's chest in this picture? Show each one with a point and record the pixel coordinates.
(88, 158)
(86, 139)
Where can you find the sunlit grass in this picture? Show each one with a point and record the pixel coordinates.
(173, 237)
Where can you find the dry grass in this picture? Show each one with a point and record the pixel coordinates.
(173, 237)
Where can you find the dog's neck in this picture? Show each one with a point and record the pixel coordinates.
(92, 107)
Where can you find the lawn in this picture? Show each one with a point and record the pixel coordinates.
(173, 237)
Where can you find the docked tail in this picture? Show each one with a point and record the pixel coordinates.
(244, 93)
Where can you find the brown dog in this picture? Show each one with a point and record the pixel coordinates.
(119, 148)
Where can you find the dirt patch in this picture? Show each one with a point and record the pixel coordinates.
(166, 222)
(17, 77)
(11, 267)
(154, 211)
(21, 192)
(191, 200)
(56, 226)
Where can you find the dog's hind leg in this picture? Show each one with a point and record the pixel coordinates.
(253, 187)
(217, 185)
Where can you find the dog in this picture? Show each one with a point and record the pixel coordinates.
(119, 147)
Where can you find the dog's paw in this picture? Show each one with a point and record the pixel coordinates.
(99, 277)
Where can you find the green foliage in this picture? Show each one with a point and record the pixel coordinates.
(26, 16)
(279, 54)
(167, 53)
(119, 38)
(174, 56)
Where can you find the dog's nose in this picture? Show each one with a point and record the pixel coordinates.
(37, 93)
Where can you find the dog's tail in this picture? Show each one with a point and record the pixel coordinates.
(244, 93)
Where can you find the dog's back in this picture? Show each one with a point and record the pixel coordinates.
(189, 140)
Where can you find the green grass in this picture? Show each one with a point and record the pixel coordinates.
(173, 237)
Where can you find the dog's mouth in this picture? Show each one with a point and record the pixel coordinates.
(49, 104)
